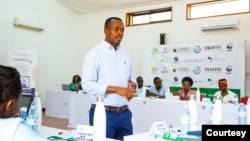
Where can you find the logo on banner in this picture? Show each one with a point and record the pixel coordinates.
(210, 58)
(184, 49)
(197, 70)
(197, 49)
(176, 80)
(183, 69)
(176, 59)
(213, 48)
(154, 70)
(229, 69)
(165, 50)
(229, 47)
(164, 70)
(213, 70)
(210, 81)
(155, 51)
(213, 59)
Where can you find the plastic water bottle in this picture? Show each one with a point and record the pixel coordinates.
(198, 95)
(168, 95)
(242, 114)
(23, 113)
(192, 106)
(34, 119)
(100, 120)
(236, 100)
(185, 120)
(210, 120)
(217, 111)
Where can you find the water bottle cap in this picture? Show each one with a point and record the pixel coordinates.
(37, 94)
(24, 109)
(192, 97)
(217, 97)
(100, 99)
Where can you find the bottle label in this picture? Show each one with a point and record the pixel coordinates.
(185, 120)
(32, 123)
(23, 114)
(242, 114)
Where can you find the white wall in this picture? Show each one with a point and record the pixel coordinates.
(58, 45)
(67, 37)
(179, 31)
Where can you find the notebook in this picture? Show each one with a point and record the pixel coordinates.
(65, 87)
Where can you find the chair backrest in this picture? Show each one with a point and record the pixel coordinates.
(26, 101)
(244, 100)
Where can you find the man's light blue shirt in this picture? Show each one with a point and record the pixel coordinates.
(104, 66)
(161, 91)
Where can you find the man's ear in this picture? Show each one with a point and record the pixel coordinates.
(9, 104)
(8, 108)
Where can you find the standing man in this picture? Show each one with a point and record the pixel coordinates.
(107, 72)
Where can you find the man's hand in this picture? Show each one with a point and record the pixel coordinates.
(131, 84)
(127, 92)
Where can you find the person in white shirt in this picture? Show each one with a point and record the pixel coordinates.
(227, 96)
(141, 89)
(107, 71)
(13, 128)
(158, 90)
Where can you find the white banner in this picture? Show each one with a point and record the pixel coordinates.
(25, 61)
(206, 63)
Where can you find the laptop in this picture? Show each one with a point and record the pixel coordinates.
(65, 87)
(26, 101)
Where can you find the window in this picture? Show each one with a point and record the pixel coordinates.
(149, 16)
(217, 8)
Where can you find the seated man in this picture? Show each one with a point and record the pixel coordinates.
(140, 89)
(158, 90)
(226, 95)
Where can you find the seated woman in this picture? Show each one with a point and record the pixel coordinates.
(75, 85)
(227, 95)
(186, 91)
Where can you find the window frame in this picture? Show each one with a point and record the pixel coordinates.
(129, 16)
(189, 7)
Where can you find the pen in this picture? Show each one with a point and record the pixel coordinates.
(65, 132)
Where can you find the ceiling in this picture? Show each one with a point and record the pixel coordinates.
(83, 7)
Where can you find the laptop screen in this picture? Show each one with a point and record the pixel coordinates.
(65, 87)
(26, 101)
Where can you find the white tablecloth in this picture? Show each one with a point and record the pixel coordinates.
(57, 103)
(79, 110)
(68, 104)
(147, 111)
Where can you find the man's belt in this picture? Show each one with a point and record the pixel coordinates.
(113, 109)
